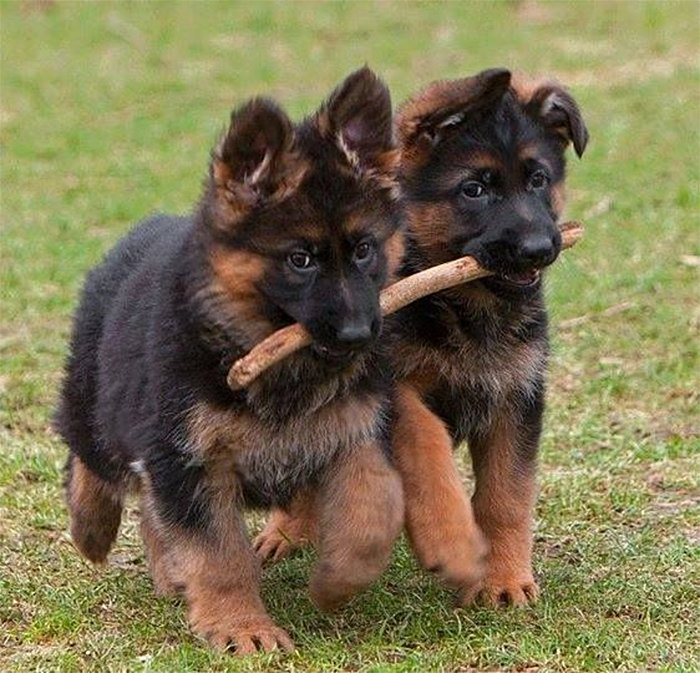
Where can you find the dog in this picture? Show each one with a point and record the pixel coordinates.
(297, 223)
(482, 171)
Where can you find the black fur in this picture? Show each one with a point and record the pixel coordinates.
(476, 334)
(154, 334)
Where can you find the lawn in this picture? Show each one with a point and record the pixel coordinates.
(108, 112)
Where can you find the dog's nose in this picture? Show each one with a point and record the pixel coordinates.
(355, 333)
(536, 250)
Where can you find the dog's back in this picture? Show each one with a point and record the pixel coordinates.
(76, 415)
(96, 483)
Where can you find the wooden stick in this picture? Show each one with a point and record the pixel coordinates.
(289, 339)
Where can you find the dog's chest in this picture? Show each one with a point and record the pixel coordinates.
(273, 462)
(469, 381)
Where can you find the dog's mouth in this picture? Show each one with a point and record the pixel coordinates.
(336, 355)
(521, 281)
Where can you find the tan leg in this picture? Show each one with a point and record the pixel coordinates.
(439, 518)
(360, 515)
(156, 556)
(219, 574)
(503, 504)
(288, 530)
(95, 509)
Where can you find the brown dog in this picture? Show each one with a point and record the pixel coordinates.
(482, 169)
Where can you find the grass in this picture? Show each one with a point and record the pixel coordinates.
(107, 114)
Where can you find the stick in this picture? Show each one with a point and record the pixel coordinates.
(289, 339)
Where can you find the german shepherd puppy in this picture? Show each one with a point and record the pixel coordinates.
(482, 170)
(482, 167)
(297, 223)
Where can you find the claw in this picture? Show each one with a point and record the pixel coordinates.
(494, 594)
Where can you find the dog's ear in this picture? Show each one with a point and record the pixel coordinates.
(557, 109)
(426, 117)
(255, 161)
(357, 117)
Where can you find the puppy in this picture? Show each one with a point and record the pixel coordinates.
(482, 170)
(297, 223)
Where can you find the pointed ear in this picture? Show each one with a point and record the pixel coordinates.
(255, 160)
(426, 117)
(558, 110)
(357, 117)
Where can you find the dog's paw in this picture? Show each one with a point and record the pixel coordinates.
(460, 564)
(242, 636)
(496, 592)
(274, 544)
(330, 594)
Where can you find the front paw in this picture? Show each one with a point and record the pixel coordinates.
(241, 635)
(502, 591)
(274, 544)
(459, 562)
(330, 593)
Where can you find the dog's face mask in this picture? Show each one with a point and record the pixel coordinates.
(306, 218)
(483, 169)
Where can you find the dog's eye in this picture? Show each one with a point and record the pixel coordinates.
(473, 189)
(538, 180)
(301, 260)
(363, 250)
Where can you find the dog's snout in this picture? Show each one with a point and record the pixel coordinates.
(355, 333)
(537, 250)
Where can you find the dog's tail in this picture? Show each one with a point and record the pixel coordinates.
(95, 507)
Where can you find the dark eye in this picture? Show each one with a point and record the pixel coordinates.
(473, 189)
(363, 250)
(538, 180)
(300, 260)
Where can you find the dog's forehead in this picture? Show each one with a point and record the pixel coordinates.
(322, 218)
(498, 141)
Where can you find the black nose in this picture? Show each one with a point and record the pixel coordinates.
(355, 333)
(536, 250)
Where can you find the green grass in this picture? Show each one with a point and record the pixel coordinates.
(108, 112)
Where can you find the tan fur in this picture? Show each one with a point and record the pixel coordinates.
(233, 288)
(443, 94)
(221, 588)
(439, 518)
(503, 505)
(526, 87)
(394, 251)
(428, 223)
(543, 91)
(429, 367)
(558, 197)
(359, 503)
(156, 557)
(286, 531)
(216, 571)
(235, 199)
(221, 437)
(532, 151)
(95, 511)
(384, 173)
(360, 515)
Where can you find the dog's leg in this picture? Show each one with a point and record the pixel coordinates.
(287, 530)
(95, 507)
(217, 569)
(439, 518)
(155, 549)
(360, 515)
(504, 465)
